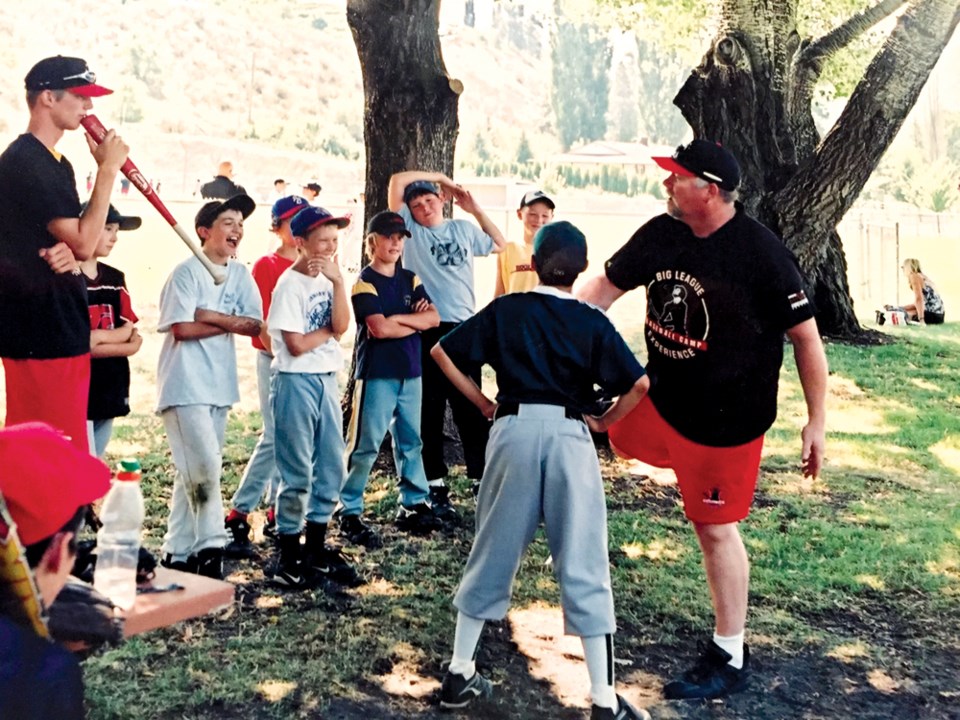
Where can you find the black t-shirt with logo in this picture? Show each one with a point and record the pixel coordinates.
(43, 314)
(717, 308)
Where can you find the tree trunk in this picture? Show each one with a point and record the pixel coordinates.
(752, 93)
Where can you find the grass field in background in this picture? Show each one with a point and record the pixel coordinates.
(855, 595)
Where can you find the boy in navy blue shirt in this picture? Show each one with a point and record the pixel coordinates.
(392, 308)
(549, 350)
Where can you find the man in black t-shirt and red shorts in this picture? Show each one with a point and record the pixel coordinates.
(721, 292)
(45, 336)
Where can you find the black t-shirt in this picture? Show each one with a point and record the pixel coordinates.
(43, 314)
(221, 188)
(546, 347)
(717, 308)
(109, 307)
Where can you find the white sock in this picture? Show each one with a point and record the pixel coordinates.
(465, 645)
(436, 483)
(733, 644)
(598, 652)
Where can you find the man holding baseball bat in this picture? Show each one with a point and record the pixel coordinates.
(45, 343)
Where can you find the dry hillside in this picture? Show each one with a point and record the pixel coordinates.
(272, 84)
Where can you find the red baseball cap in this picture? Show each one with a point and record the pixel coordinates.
(44, 479)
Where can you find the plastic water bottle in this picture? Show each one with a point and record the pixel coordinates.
(118, 542)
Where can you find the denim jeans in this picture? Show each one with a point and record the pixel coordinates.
(379, 405)
(309, 448)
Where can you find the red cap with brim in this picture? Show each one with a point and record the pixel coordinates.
(90, 91)
(671, 165)
(45, 479)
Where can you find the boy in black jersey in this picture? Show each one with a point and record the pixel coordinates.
(549, 350)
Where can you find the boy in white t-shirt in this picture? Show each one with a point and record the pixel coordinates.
(309, 312)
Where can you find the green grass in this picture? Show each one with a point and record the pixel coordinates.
(855, 573)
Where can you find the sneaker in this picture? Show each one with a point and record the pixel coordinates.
(442, 507)
(458, 692)
(188, 566)
(285, 567)
(209, 563)
(420, 519)
(712, 677)
(239, 546)
(330, 564)
(356, 532)
(624, 711)
(270, 528)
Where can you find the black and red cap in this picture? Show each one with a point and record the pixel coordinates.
(64, 73)
(387, 223)
(704, 159)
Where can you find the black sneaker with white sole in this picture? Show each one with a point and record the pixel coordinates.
(239, 546)
(331, 565)
(442, 507)
(624, 711)
(458, 692)
(285, 567)
(711, 677)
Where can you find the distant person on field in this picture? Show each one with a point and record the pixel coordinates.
(45, 341)
(927, 305)
(261, 478)
(309, 313)
(46, 486)
(310, 191)
(515, 271)
(113, 334)
(279, 190)
(392, 308)
(197, 381)
(222, 186)
(441, 253)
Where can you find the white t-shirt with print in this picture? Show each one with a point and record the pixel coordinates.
(301, 304)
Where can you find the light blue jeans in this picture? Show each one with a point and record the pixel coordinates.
(309, 448)
(379, 405)
(261, 477)
(195, 434)
(99, 433)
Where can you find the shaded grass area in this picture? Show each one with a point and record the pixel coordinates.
(855, 594)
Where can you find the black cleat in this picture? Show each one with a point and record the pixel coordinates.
(625, 711)
(356, 532)
(331, 565)
(285, 567)
(442, 507)
(239, 546)
(420, 519)
(712, 677)
(209, 563)
(458, 692)
(270, 527)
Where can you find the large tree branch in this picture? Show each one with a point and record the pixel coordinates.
(829, 181)
(841, 36)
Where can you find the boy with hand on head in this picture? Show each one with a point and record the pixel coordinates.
(261, 475)
(46, 485)
(549, 350)
(113, 334)
(441, 253)
(392, 308)
(309, 313)
(197, 381)
(515, 272)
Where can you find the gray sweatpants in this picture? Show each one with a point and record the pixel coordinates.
(540, 464)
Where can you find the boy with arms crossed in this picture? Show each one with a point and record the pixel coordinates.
(548, 350)
(391, 308)
(309, 313)
(261, 472)
(197, 379)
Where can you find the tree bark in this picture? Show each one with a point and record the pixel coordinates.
(752, 93)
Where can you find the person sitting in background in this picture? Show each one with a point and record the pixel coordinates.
(222, 187)
(46, 484)
(927, 305)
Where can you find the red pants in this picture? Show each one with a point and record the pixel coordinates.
(51, 391)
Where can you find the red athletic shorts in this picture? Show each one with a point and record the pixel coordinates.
(51, 391)
(716, 483)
